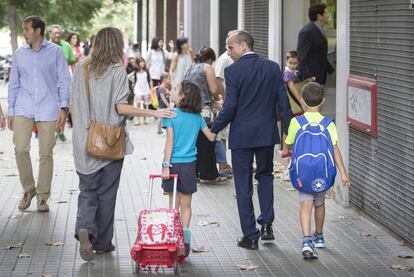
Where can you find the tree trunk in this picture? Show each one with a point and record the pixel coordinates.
(12, 24)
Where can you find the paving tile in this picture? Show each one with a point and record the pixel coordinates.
(347, 253)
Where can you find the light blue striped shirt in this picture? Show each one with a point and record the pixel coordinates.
(39, 82)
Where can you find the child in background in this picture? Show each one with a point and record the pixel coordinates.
(294, 86)
(163, 96)
(312, 99)
(180, 150)
(142, 88)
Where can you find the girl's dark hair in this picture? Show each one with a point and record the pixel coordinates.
(192, 97)
(316, 9)
(205, 54)
(292, 55)
(180, 41)
(154, 43)
(137, 62)
(70, 37)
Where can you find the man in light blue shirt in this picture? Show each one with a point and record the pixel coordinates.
(38, 94)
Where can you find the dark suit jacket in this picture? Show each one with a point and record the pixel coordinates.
(313, 49)
(254, 86)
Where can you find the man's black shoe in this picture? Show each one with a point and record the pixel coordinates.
(267, 232)
(251, 244)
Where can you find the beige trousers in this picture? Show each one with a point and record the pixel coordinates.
(23, 128)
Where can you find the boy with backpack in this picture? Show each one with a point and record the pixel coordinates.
(312, 171)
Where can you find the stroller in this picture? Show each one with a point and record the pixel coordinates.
(160, 238)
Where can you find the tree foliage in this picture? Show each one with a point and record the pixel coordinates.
(73, 15)
(119, 15)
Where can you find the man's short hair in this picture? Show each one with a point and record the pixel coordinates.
(55, 26)
(246, 37)
(37, 22)
(292, 55)
(312, 94)
(316, 9)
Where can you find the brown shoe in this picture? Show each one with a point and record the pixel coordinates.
(42, 206)
(85, 247)
(25, 202)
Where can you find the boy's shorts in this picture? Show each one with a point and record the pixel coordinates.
(317, 198)
(187, 178)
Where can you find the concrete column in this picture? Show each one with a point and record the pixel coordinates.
(152, 19)
(214, 26)
(187, 18)
(342, 73)
(240, 15)
(144, 28)
(275, 31)
(135, 39)
(164, 38)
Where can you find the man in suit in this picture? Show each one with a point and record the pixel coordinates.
(254, 87)
(313, 46)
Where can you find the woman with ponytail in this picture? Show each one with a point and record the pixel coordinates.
(203, 75)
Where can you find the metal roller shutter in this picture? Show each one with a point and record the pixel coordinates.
(382, 169)
(256, 22)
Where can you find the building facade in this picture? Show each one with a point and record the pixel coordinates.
(373, 39)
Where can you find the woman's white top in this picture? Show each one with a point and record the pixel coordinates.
(156, 63)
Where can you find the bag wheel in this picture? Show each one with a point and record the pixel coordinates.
(176, 266)
(137, 267)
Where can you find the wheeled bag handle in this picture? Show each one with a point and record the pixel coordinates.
(156, 176)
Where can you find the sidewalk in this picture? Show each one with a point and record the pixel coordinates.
(356, 245)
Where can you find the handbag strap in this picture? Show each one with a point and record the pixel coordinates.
(163, 57)
(87, 92)
(86, 88)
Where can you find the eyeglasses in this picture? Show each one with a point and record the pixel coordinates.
(56, 33)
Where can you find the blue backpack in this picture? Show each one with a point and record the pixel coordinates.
(313, 167)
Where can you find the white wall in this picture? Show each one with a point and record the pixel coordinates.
(342, 72)
(295, 15)
(187, 18)
(214, 26)
(275, 31)
(144, 28)
(240, 15)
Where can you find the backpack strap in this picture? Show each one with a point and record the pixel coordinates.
(302, 120)
(325, 123)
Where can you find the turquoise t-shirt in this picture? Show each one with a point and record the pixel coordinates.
(186, 127)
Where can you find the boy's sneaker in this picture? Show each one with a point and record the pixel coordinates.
(187, 240)
(308, 250)
(318, 240)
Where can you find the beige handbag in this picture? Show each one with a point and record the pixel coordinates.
(104, 142)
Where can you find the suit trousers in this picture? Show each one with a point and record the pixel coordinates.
(242, 162)
(22, 134)
(96, 204)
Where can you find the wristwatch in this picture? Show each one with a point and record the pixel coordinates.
(66, 109)
(166, 165)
